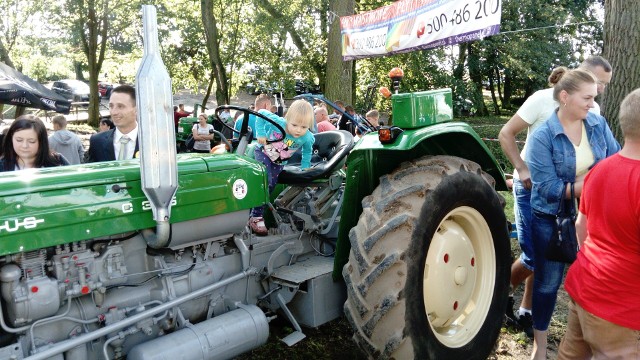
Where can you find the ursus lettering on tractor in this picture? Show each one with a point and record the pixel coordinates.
(153, 259)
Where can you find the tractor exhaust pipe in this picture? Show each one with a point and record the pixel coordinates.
(158, 166)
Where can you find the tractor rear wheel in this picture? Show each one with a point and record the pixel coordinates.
(428, 272)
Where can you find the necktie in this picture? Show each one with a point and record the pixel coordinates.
(122, 154)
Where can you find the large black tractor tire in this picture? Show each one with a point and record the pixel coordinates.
(428, 272)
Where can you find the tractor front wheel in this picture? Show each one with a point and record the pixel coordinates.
(428, 272)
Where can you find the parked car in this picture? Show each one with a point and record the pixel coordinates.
(306, 87)
(262, 87)
(74, 90)
(105, 88)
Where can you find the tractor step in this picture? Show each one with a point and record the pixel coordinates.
(319, 299)
(304, 270)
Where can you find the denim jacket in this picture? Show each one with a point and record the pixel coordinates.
(552, 158)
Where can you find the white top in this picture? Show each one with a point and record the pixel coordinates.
(224, 115)
(584, 154)
(202, 144)
(131, 145)
(536, 110)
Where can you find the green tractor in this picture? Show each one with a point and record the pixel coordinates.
(185, 127)
(152, 258)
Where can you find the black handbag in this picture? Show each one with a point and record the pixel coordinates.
(564, 246)
(190, 142)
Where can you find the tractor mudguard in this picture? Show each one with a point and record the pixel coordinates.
(371, 159)
(52, 206)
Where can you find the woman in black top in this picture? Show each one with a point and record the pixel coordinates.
(26, 146)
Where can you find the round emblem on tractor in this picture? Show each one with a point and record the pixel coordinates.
(239, 189)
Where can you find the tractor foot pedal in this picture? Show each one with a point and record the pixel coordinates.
(295, 336)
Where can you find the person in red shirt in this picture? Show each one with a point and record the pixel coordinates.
(322, 119)
(604, 317)
(179, 113)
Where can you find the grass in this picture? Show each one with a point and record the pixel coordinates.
(329, 341)
(488, 128)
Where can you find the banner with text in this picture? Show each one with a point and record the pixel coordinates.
(409, 25)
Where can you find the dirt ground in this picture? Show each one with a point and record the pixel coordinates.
(333, 340)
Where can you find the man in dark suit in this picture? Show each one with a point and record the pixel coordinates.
(120, 143)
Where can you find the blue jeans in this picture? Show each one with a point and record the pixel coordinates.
(273, 171)
(522, 212)
(548, 275)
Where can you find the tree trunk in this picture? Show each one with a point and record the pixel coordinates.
(458, 71)
(20, 110)
(621, 17)
(212, 78)
(90, 25)
(77, 69)
(496, 109)
(506, 94)
(209, 22)
(476, 80)
(339, 73)
(499, 86)
(4, 55)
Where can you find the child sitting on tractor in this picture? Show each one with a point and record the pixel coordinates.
(296, 123)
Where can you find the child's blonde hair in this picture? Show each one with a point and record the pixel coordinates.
(302, 111)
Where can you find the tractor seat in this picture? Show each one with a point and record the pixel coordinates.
(330, 152)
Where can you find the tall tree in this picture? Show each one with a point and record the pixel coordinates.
(312, 50)
(9, 28)
(339, 73)
(213, 46)
(4, 55)
(225, 25)
(90, 24)
(522, 61)
(16, 20)
(476, 78)
(90, 27)
(621, 48)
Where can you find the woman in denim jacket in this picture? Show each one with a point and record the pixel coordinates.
(558, 153)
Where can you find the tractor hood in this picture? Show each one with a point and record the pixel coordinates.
(52, 206)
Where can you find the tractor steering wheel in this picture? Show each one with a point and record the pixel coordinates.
(246, 113)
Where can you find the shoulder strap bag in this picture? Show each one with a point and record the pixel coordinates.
(563, 247)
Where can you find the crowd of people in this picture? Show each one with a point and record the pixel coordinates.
(117, 138)
(568, 143)
(26, 144)
(571, 151)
